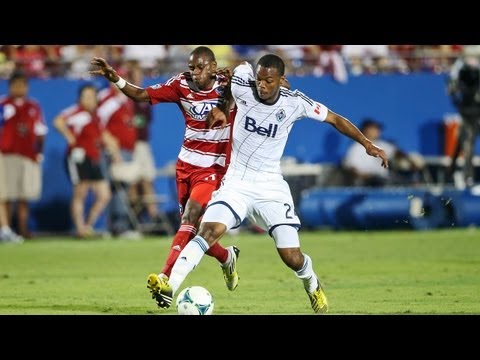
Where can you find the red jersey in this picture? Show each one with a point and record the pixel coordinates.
(201, 147)
(117, 113)
(87, 130)
(22, 123)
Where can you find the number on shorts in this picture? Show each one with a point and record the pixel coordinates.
(288, 214)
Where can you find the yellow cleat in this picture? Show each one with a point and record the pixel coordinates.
(160, 289)
(230, 271)
(319, 300)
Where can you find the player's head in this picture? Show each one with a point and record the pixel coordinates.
(269, 73)
(202, 66)
(18, 85)
(87, 97)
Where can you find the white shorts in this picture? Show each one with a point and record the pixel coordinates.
(268, 204)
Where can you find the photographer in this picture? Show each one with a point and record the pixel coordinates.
(464, 89)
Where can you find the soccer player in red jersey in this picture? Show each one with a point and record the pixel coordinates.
(202, 160)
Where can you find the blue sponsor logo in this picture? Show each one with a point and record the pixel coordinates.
(251, 126)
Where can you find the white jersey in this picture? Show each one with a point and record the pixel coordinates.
(261, 130)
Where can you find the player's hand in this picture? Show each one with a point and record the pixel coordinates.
(227, 72)
(216, 118)
(104, 69)
(375, 151)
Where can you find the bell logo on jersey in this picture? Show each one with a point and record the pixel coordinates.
(251, 125)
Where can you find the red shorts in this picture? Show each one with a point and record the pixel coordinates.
(197, 183)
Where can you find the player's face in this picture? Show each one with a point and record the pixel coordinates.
(18, 88)
(268, 83)
(202, 70)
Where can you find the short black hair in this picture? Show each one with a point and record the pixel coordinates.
(203, 50)
(17, 75)
(370, 122)
(272, 61)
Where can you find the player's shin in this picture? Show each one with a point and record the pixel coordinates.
(307, 275)
(187, 261)
(181, 238)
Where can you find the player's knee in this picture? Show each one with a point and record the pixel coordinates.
(191, 214)
(212, 232)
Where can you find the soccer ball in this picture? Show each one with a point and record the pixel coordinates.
(195, 300)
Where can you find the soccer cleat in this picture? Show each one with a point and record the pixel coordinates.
(318, 300)
(230, 270)
(160, 289)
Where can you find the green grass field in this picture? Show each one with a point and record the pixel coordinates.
(435, 272)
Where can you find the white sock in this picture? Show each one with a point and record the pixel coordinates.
(307, 275)
(188, 259)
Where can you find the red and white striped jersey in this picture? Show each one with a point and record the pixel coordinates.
(201, 147)
(86, 128)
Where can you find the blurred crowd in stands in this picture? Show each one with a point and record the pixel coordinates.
(339, 61)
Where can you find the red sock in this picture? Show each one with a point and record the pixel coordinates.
(218, 252)
(186, 233)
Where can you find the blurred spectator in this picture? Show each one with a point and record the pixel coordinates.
(152, 58)
(366, 59)
(116, 112)
(80, 125)
(464, 89)
(6, 232)
(329, 61)
(21, 143)
(7, 65)
(141, 193)
(76, 59)
(364, 170)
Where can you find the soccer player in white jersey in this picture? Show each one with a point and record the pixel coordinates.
(253, 185)
(203, 158)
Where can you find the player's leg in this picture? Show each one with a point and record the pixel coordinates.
(226, 211)
(214, 225)
(80, 191)
(288, 247)
(282, 222)
(227, 257)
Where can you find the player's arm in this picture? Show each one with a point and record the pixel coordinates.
(219, 115)
(60, 123)
(347, 128)
(132, 91)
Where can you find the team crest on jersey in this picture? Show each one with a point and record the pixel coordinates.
(199, 110)
(220, 90)
(156, 86)
(281, 115)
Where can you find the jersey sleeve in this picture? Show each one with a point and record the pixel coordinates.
(310, 108)
(242, 80)
(167, 92)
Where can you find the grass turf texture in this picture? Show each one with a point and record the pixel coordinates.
(407, 272)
